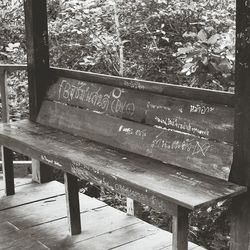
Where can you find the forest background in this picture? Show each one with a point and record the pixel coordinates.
(183, 42)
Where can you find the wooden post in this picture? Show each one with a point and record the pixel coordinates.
(240, 173)
(7, 154)
(72, 200)
(180, 229)
(134, 208)
(38, 67)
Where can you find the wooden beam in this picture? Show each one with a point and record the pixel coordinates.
(240, 173)
(37, 65)
(72, 200)
(37, 52)
(8, 170)
(180, 229)
(134, 208)
(4, 96)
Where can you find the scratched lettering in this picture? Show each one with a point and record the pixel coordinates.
(106, 102)
(201, 109)
(133, 132)
(184, 126)
(50, 161)
(191, 146)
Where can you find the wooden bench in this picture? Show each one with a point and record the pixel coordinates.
(165, 146)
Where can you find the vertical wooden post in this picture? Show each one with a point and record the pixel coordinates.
(240, 173)
(38, 67)
(134, 208)
(7, 154)
(180, 229)
(72, 200)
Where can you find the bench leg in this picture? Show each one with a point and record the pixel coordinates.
(8, 170)
(240, 222)
(41, 172)
(134, 208)
(72, 200)
(180, 229)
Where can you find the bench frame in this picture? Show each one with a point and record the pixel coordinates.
(38, 75)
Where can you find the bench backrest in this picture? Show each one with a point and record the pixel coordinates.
(185, 127)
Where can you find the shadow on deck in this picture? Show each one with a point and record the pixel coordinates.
(35, 218)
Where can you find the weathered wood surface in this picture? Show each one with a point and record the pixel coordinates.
(142, 179)
(208, 96)
(4, 96)
(8, 170)
(51, 190)
(194, 117)
(180, 149)
(13, 67)
(117, 230)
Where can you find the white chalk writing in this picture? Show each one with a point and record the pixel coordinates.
(85, 92)
(192, 146)
(133, 132)
(201, 109)
(177, 124)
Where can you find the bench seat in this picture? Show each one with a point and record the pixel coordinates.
(146, 180)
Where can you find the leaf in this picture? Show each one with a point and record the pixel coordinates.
(213, 39)
(202, 35)
(189, 34)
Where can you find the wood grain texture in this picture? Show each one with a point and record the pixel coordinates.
(23, 198)
(194, 117)
(8, 171)
(72, 201)
(180, 229)
(4, 96)
(180, 149)
(208, 96)
(123, 172)
(240, 221)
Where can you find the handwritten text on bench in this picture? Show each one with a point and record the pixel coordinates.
(106, 102)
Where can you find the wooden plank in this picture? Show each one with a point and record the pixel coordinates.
(19, 240)
(208, 96)
(7, 228)
(8, 171)
(109, 218)
(189, 116)
(122, 172)
(45, 211)
(160, 240)
(180, 149)
(41, 172)
(72, 201)
(52, 189)
(13, 67)
(4, 96)
(180, 229)
(118, 237)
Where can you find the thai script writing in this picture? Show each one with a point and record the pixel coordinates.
(51, 161)
(191, 146)
(187, 127)
(134, 132)
(201, 109)
(105, 102)
(134, 85)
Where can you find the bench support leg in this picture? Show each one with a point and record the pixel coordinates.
(41, 172)
(180, 229)
(8, 170)
(72, 200)
(240, 222)
(134, 208)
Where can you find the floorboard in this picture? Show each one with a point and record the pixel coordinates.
(35, 218)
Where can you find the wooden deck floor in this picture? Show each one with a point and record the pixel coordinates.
(35, 218)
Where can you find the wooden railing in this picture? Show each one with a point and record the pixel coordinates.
(4, 70)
